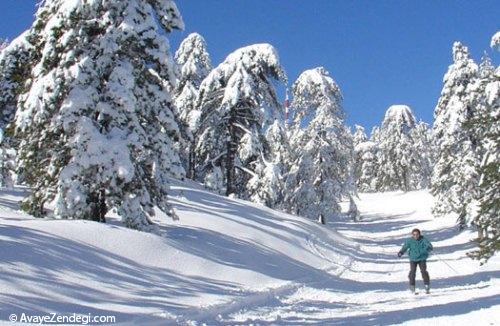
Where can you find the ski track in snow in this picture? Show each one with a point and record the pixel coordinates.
(320, 302)
(248, 265)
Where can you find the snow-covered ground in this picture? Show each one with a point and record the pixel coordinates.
(230, 262)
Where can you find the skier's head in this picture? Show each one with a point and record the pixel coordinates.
(415, 233)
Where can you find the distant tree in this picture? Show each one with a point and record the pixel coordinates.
(3, 44)
(366, 167)
(321, 172)
(359, 135)
(399, 164)
(495, 41)
(423, 147)
(193, 65)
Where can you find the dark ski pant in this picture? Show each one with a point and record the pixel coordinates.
(423, 269)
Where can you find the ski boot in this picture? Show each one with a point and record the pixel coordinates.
(427, 289)
(412, 289)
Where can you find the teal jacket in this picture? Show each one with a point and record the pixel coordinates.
(418, 248)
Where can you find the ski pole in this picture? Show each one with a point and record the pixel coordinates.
(446, 264)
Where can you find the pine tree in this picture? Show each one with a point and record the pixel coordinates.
(486, 126)
(397, 160)
(14, 72)
(375, 134)
(238, 103)
(321, 173)
(3, 44)
(359, 135)
(360, 154)
(193, 65)
(455, 178)
(423, 148)
(7, 162)
(495, 41)
(268, 185)
(95, 121)
(365, 155)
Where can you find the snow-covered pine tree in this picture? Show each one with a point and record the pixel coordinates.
(486, 126)
(321, 173)
(423, 147)
(454, 180)
(396, 159)
(95, 120)
(375, 134)
(359, 137)
(238, 103)
(7, 162)
(193, 65)
(14, 72)
(268, 185)
(3, 44)
(495, 41)
(365, 154)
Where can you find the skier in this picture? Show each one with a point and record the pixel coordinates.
(419, 248)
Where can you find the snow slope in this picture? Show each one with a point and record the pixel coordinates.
(232, 262)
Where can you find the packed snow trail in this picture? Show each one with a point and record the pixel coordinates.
(231, 262)
(373, 290)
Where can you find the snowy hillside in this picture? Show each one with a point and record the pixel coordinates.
(232, 262)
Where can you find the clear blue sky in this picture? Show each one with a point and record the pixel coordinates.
(380, 52)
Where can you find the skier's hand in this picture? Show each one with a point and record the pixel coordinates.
(400, 254)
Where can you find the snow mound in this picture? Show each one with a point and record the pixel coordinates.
(220, 252)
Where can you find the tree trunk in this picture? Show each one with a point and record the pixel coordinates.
(191, 169)
(480, 233)
(41, 210)
(462, 222)
(103, 208)
(230, 169)
(98, 207)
